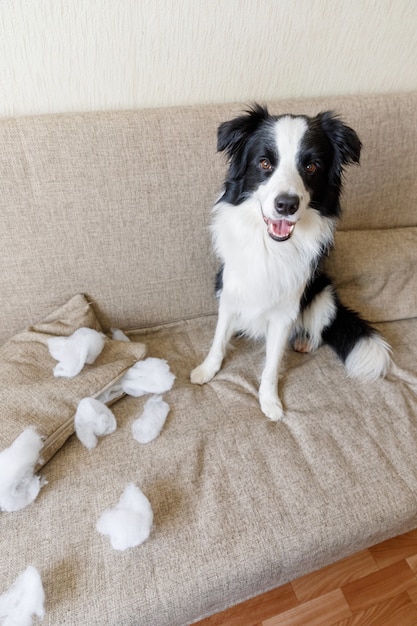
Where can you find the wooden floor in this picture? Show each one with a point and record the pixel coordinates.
(376, 587)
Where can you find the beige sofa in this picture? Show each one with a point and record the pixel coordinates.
(116, 206)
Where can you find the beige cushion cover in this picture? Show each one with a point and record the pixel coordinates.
(30, 395)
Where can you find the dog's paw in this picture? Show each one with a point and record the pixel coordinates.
(201, 374)
(272, 408)
(301, 343)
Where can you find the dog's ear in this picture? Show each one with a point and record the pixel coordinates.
(344, 139)
(231, 135)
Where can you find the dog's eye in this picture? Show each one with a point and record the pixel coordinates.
(311, 168)
(265, 164)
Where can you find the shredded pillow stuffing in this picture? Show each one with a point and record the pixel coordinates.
(93, 419)
(73, 352)
(129, 523)
(23, 600)
(18, 484)
(149, 425)
(148, 376)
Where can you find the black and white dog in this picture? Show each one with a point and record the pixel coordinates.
(271, 228)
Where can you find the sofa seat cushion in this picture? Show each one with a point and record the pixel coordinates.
(240, 504)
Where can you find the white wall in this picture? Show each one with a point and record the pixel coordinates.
(78, 55)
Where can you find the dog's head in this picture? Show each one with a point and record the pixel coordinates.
(287, 163)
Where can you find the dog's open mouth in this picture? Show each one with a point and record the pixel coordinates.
(279, 230)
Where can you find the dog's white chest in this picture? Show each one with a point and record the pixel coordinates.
(263, 277)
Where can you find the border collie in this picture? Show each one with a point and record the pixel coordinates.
(272, 226)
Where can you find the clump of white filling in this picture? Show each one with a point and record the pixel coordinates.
(23, 600)
(149, 376)
(148, 426)
(73, 352)
(129, 523)
(18, 484)
(93, 419)
(118, 335)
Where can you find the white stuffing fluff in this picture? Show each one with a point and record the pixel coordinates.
(73, 352)
(111, 394)
(118, 335)
(93, 419)
(149, 376)
(129, 523)
(148, 426)
(18, 484)
(24, 599)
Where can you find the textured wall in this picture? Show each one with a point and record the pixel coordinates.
(77, 55)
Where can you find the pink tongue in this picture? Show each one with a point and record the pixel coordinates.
(281, 228)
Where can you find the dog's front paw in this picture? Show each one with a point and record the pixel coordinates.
(272, 408)
(202, 374)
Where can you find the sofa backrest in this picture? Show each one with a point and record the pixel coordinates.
(117, 205)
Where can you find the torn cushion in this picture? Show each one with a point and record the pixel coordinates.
(30, 395)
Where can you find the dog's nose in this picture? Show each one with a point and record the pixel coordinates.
(287, 204)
